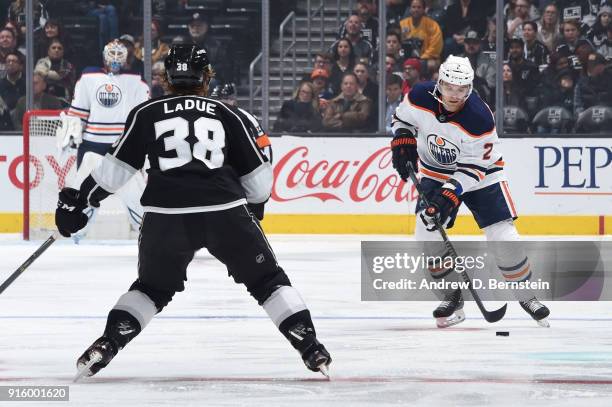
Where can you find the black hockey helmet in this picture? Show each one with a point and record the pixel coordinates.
(185, 65)
(216, 92)
(228, 90)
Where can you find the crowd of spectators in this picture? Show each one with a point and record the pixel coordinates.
(556, 61)
(69, 36)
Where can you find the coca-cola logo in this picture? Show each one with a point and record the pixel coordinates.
(298, 176)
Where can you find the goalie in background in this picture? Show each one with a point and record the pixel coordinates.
(103, 97)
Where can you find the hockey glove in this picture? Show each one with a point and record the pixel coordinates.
(257, 209)
(404, 150)
(69, 216)
(441, 206)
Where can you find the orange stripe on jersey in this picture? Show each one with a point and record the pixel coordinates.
(263, 141)
(434, 174)
(519, 274)
(455, 124)
(500, 163)
(78, 114)
(105, 128)
(504, 185)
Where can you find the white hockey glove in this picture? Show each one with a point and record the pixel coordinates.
(69, 132)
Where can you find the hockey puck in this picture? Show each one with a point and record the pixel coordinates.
(502, 333)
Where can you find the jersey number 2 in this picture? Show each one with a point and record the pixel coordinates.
(208, 149)
(488, 148)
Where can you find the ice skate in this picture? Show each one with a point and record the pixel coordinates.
(538, 311)
(316, 357)
(450, 311)
(96, 357)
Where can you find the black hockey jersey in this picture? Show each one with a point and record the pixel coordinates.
(201, 153)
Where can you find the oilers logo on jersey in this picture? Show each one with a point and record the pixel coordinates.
(108, 95)
(442, 150)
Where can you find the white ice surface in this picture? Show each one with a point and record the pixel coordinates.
(213, 346)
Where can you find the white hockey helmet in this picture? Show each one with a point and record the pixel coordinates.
(115, 55)
(456, 71)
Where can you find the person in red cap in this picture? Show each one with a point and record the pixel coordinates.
(320, 79)
(412, 74)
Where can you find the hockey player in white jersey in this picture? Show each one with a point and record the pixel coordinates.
(448, 133)
(103, 98)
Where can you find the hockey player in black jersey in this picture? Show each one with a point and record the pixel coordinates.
(207, 179)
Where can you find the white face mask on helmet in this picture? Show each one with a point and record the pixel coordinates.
(115, 55)
(455, 71)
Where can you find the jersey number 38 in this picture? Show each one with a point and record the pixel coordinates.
(208, 149)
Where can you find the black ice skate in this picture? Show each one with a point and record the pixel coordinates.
(537, 311)
(96, 357)
(450, 311)
(316, 357)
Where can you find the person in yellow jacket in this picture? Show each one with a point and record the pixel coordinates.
(419, 26)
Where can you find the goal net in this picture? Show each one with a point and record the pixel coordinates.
(47, 171)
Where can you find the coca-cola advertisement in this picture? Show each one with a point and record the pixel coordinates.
(337, 175)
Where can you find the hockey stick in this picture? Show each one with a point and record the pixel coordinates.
(489, 316)
(29, 261)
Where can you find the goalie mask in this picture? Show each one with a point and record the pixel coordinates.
(115, 56)
(455, 71)
(185, 66)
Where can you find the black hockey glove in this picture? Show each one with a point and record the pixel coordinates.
(69, 216)
(441, 206)
(257, 209)
(404, 150)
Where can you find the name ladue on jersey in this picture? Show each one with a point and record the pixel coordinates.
(190, 104)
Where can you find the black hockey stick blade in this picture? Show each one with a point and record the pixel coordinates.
(494, 316)
(29, 261)
(489, 316)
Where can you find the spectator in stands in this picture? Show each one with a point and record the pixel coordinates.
(300, 114)
(108, 21)
(324, 60)
(571, 35)
(344, 61)
(513, 92)
(394, 46)
(369, 22)
(421, 36)
(600, 34)
(368, 89)
(489, 43)
(395, 10)
(365, 85)
(16, 13)
(132, 64)
(13, 86)
(53, 29)
(392, 65)
(159, 49)
(460, 17)
(535, 51)
(352, 31)
(434, 9)
(510, 10)
(8, 44)
(59, 74)
(525, 73)
(198, 31)
(521, 15)
(350, 110)
(581, 10)
(42, 100)
(558, 63)
(548, 28)
(562, 92)
(412, 74)
(583, 49)
(393, 90)
(157, 79)
(320, 81)
(594, 88)
(484, 68)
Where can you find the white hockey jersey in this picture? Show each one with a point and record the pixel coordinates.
(463, 145)
(103, 102)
